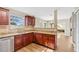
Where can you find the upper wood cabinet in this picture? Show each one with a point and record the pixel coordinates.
(4, 16)
(29, 20)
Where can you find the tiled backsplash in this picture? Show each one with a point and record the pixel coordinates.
(4, 28)
(11, 28)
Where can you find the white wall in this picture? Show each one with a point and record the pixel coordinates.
(16, 12)
(76, 31)
(39, 23)
(62, 23)
(65, 23)
(49, 24)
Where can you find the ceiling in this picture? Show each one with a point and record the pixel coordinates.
(47, 13)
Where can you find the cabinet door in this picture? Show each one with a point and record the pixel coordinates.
(34, 37)
(51, 42)
(18, 43)
(45, 39)
(38, 38)
(4, 17)
(25, 39)
(30, 37)
(29, 20)
(33, 21)
(26, 21)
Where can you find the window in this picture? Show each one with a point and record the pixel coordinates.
(16, 20)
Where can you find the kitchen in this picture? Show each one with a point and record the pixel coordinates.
(22, 31)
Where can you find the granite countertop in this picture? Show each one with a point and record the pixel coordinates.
(25, 32)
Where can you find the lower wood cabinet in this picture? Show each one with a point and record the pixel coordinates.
(30, 36)
(22, 40)
(25, 39)
(18, 42)
(45, 40)
(38, 38)
(51, 41)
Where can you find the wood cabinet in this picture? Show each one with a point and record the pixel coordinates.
(22, 40)
(51, 41)
(38, 38)
(30, 37)
(29, 20)
(25, 39)
(45, 40)
(33, 21)
(4, 16)
(18, 42)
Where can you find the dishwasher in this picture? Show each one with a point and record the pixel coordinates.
(7, 44)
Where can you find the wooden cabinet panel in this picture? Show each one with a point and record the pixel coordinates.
(4, 16)
(51, 42)
(25, 39)
(30, 35)
(38, 38)
(45, 39)
(22, 40)
(33, 21)
(18, 42)
(34, 37)
(29, 20)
